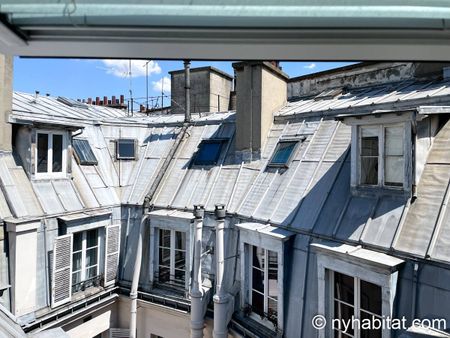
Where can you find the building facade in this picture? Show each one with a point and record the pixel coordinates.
(320, 195)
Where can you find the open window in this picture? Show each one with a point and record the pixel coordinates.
(85, 259)
(209, 152)
(283, 153)
(50, 153)
(83, 152)
(171, 257)
(126, 149)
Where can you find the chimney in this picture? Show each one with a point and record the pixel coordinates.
(261, 90)
(113, 100)
(6, 75)
(122, 99)
(97, 101)
(105, 100)
(89, 100)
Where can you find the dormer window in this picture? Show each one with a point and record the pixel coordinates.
(381, 155)
(51, 153)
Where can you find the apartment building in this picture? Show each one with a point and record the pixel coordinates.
(320, 195)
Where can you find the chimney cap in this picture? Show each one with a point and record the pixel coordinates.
(199, 211)
(220, 211)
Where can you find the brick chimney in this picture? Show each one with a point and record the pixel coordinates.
(261, 90)
(6, 77)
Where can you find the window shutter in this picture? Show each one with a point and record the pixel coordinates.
(112, 253)
(62, 270)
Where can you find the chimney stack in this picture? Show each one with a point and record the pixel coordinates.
(89, 100)
(113, 100)
(122, 99)
(105, 100)
(261, 90)
(97, 100)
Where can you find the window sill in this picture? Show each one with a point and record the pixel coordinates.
(376, 190)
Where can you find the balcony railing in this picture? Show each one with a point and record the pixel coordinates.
(91, 282)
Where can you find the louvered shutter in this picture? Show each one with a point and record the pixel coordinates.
(112, 253)
(62, 270)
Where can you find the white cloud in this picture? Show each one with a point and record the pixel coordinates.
(120, 68)
(310, 66)
(158, 85)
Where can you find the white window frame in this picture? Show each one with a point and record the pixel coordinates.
(172, 250)
(269, 238)
(381, 154)
(266, 280)
(356, 301)
(336, 260)
(83, 251)
(50, 173)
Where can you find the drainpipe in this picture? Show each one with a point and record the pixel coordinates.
(187, 90)
(135, 282)
(196, 293)
(220, 298)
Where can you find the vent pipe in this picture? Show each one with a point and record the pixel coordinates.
(220, 298)
(187, 90)
(197, 320)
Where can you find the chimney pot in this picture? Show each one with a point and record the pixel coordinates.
(105, 100)
(122, 99)
(97, 100)
(113, 99)
(89, 100)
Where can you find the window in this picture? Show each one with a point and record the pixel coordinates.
(50, 154)
(83, 152)
(381, 155)
(171, 257)
(355, 297)
(85, 252)
(125, 149)
(208, 152)
(264, 283)
(283, 153)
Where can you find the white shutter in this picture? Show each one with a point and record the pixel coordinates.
(62, 270)
(112, 248)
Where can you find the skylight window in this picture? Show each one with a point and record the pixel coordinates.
(125, 149)
(283, 153)
(208, 152)
(83, 152)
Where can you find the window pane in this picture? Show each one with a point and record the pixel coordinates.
(272, 309)
(257, 303)
(369, 170)
(365, 318)
(208, 152)
(283, 152)
(393, 170)
(91, 272)
(57, 153)
(371, 297)
(164, 257)
(369, 146)
(273, 275)
(180, 259)
(393, 141)
(163, 274)
(258, 280)
(42, 153)
(258, 258)
(164, 238)
(180, 276)
(76, 277)
(180, 240)
(76, 261)
(92, 238)
(125, 148)
(344, 288)
(345, 313)
(91, 257)
(77, 241)
(84, 152)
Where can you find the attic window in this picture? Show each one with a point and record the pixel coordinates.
(83, 152)
(209, 152)
(283, 153)
(125, 149)
(50, 153)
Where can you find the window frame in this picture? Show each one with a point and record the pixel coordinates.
(381, 132)
(221, 141)
(265, 295)
(172, 263)
(84, 248)
(118, 157)
(79, 161)
(65, 148)
(297, 141)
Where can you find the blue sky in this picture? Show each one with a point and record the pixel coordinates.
(82, 78)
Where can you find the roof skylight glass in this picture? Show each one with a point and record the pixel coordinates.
(83, 152)
(208, 152)
(283, 153)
